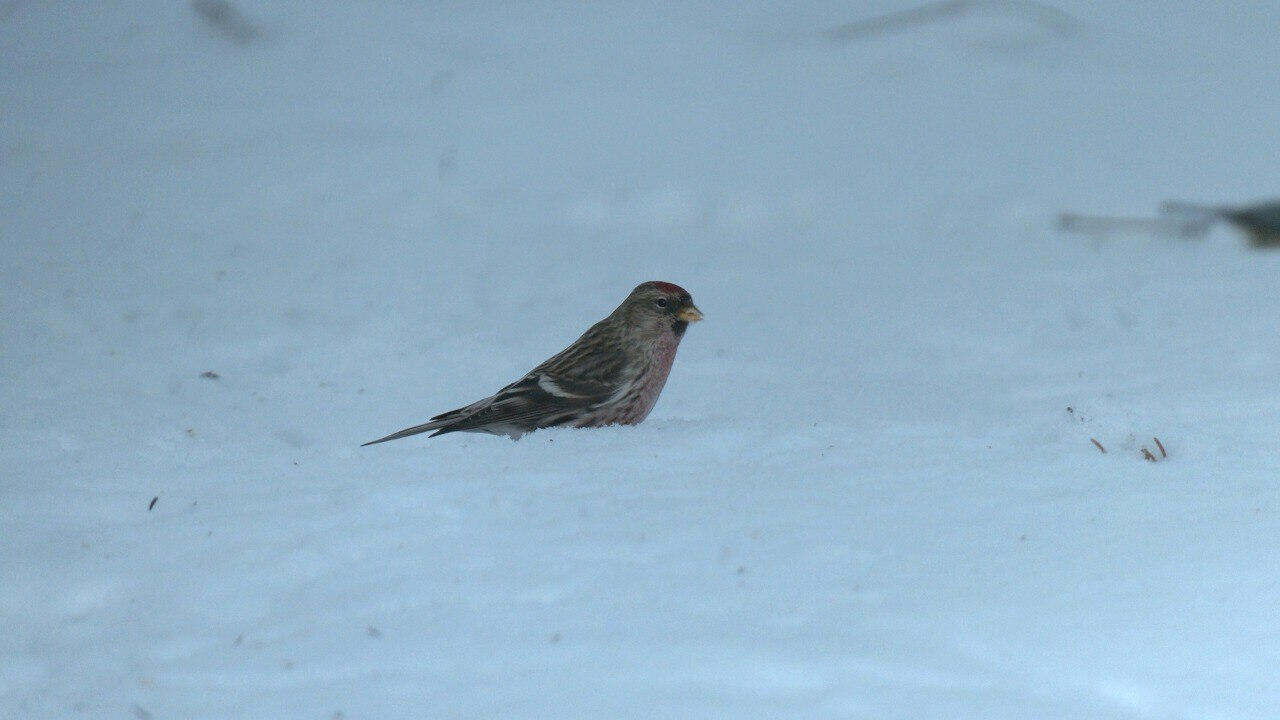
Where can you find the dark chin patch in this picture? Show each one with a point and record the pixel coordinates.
(678, 327)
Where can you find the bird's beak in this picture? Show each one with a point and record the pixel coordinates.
(689, 313)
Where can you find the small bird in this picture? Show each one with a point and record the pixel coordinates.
(612, 375)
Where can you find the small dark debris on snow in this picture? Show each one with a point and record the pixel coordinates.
(152, 505)
(448, 163)
(227, 20)
(1259, 221)
(555, 638)
(239, 640)
(1045, 16)
(141, 713)
(1150, 456)
(1098, 445)
(210, 375)
(373, 632)
(1105, 225)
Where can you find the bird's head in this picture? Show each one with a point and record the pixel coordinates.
(655, 308)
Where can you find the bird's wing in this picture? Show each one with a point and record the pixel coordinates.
(591, 371)
(587, 373)
(539, 399)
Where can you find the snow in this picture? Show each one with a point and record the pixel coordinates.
(861, 495)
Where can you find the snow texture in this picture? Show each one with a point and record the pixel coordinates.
(239, 239)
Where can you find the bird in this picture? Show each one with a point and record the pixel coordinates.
(612, 375)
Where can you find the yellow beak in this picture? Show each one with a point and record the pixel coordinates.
(689, 313)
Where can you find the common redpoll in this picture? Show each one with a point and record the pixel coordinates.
(611, 375)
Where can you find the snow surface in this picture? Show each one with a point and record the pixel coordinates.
(861, 495)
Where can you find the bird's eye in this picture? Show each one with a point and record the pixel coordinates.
(661, 302)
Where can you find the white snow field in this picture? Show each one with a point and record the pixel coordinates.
(862, 494)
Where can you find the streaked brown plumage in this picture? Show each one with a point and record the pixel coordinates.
(612, 375)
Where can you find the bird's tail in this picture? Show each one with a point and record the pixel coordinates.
(439, 423)
(405, 433)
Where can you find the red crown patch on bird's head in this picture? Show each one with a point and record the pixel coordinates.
(666, 287)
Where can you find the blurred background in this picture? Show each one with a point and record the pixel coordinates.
(241, 237)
